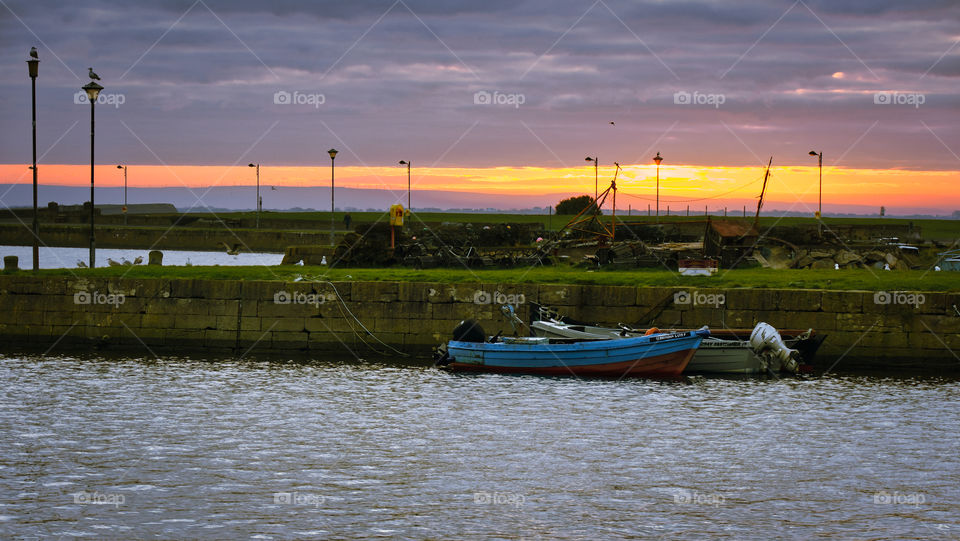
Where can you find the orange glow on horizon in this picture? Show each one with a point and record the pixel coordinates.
(679, 184)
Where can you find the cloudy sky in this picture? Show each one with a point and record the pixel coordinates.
(499, 95)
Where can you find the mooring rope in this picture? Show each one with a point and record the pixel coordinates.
(344, 306)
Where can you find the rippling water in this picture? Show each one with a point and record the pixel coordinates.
(187, 448)
(58, 258)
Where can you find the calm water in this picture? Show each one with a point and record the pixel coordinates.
(185, 448)
(57, 258)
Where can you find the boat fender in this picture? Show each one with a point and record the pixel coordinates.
(651, 330)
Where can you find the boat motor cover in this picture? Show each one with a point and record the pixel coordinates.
(469, 331)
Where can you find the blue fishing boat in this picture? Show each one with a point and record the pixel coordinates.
(662, 355)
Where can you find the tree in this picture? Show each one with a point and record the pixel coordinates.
(574, 205)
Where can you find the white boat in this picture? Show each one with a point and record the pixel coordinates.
(764, 351)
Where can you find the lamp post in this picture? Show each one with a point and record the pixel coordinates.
(124, 167)
(407, 163)
(33, 66)
(820, 167)
(93, 92)
(596, 165)
(259, 201)
(333, 154)
(658, 159)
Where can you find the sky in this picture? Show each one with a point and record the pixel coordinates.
(499, 97)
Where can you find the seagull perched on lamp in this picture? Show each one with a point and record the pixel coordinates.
(93, 75)
(33, 53)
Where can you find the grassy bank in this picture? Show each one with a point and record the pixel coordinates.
(845, 279)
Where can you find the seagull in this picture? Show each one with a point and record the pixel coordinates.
(113, 263)
(81, 264)
(612, 124)
(138, 260)
(235, 250)
(836, 266)
(33, 53)
(93, 75)
(273, 188)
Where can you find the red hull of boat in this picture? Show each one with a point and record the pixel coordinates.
(670, 365)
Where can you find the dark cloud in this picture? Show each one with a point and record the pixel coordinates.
(400, 78)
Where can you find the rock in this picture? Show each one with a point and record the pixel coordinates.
(890, 259)
(155, 258)
(819, 254)
(822, 264)
(873, 255)
(845, 257)
(803, 262)
(11, 263)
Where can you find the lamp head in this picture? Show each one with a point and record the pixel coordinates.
(93, 91)
(404, 162)
(332, 152)
(658, 158)
(33, 66)
(813, 153)
(251, 165)
(119, 167)
(589, 159)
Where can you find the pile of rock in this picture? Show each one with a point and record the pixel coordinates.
(821, 258)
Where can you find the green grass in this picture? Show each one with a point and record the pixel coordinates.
(845, 279)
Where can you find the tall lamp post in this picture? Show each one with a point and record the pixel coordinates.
(33, 66)
(333, 154)
(93, 92)
(407, 163)
(124, 167)
(596, 165)
(820, 167)
(259, 201)
(658, 159)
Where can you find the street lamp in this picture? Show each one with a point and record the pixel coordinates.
(259, 201)
(658, 159)
(33, 66)
(596, 164)
(124, 167)
(408, 164)
(333, 154)
(93, 92)
(820, 166)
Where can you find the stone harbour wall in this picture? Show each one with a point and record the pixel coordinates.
(865, 329)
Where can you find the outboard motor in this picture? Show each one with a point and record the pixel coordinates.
(469, 331)
(767, 343)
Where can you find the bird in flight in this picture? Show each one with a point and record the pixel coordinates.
(33, 53)
(93, 75)
(612, 124)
